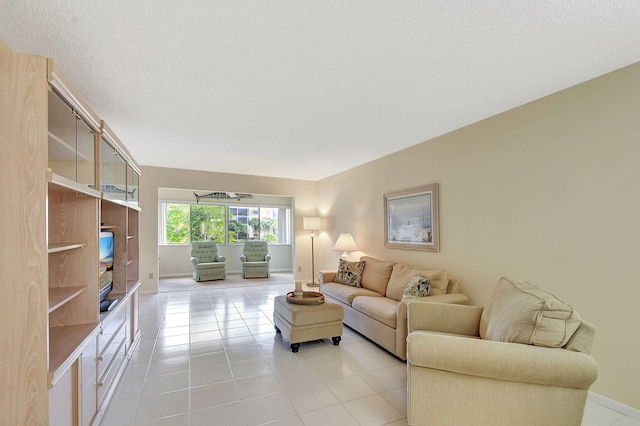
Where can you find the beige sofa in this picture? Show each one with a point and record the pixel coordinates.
(522, 360)
(376, 309)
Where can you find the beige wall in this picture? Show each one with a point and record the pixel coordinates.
(153, 178)
(547, 192)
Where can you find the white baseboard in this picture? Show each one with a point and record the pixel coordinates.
(616, 406)
(188, 274)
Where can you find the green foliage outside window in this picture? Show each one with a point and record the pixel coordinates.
(201, 222)
(269, 229)
(237, 232)
(177, 220)
(207, 223)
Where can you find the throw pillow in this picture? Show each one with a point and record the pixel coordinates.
(350, 273)
(401, 274)
(376, 275)
(520, 312)
(419, 286)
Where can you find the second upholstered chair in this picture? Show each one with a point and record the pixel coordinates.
(255, 259)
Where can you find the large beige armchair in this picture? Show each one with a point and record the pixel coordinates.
(523, 359)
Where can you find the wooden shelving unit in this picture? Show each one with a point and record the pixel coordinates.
(56, 344)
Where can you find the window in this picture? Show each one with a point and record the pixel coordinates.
(184, 223)
(207, 223)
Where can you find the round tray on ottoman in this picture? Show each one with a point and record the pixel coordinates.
(308, 298)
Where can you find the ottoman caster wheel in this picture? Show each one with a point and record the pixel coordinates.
(277, 329)
(294, 347)
(336, 340)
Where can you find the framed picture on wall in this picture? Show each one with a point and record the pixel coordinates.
(411, 219)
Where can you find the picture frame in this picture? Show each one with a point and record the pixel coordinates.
(411, 219)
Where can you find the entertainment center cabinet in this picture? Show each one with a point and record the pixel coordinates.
(65, 178)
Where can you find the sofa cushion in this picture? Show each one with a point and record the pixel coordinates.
(520, 312)
(418, 286)
(349, 273)
(344, 293)
(382, 309)
(402, 274)
(376, 274)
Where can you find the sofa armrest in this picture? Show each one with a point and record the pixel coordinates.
(325, 276)
(433, 315)
(513, 362)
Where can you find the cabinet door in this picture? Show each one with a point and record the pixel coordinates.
(112, 346)
(133, 178)
(113, 172)
(63, 402)
(89, 379)
(134, 322)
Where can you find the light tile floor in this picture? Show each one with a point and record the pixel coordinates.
(212, 357)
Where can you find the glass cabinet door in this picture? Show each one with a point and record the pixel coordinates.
(132, 186)
(85, 155)
(62, 138)
(113, 172)
(71, 144)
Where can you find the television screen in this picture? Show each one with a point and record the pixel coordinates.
(106, 263)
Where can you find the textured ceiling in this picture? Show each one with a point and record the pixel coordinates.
(307, 89)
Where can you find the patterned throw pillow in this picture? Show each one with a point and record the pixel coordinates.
(350, 273)
(419, 286)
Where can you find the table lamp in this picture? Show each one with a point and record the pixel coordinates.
(344, 244)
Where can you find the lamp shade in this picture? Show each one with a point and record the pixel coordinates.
(312, 223)
(345, 243)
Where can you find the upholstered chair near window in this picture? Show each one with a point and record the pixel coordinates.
(523, 359)
(207, 264)
(255, 259)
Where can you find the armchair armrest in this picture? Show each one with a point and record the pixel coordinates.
(514, 362)
(194, 261)
(243, 258)
(267, 258)
(221, 259)
(430, 315)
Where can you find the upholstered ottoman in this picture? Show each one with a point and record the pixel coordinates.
(302, 323)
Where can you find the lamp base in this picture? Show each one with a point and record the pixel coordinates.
(313, 285)
(344, 255)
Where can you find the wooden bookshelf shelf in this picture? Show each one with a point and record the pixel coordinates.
(61, 295)
(60, 247)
